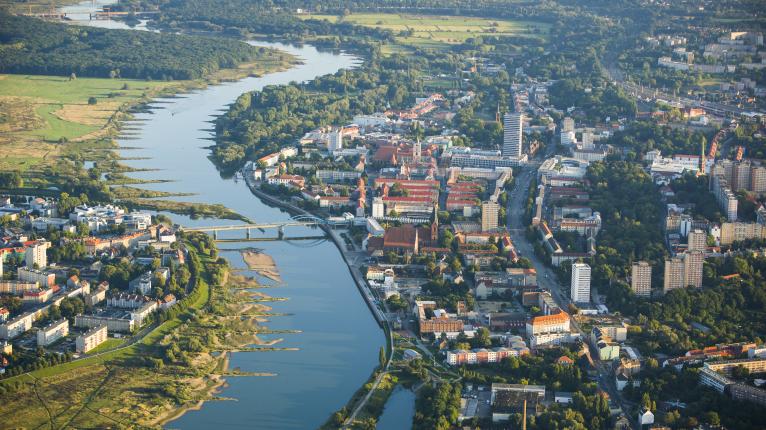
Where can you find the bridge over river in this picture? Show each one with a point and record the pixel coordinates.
(296, 221)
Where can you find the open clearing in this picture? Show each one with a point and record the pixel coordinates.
(434, 31)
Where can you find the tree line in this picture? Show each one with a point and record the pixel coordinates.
(30, 45)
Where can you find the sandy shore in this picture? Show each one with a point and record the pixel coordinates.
(261, 263)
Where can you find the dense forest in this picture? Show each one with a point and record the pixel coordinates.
(29, 45)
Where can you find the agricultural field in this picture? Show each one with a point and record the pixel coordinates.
(431, 31)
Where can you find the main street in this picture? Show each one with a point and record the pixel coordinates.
(546, 277)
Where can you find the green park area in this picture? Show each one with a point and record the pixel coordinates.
(436, 31)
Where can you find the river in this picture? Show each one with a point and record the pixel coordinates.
(399, 410)
(339, 339)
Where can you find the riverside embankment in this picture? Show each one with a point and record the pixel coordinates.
(336, 337)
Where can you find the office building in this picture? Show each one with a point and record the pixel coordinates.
(558, 322)
(512, 135)
(489, 213)
(580, 283)
(641, 279)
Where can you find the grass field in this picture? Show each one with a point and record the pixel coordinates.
(432, 31)
(60, 106)
(108, 344)
(38, 111)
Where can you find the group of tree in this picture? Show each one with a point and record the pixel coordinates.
(702, 405)
(733, 310)
(437, 408)
(261, 122)
(641, 137)
(34, 46)
(629, 204)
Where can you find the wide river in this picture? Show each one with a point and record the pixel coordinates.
(339, 339)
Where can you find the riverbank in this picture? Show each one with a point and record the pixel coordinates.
(361, 285)
(173, 368)
(52, 127)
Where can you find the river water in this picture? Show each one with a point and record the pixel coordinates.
(399, 410)
(339, 339)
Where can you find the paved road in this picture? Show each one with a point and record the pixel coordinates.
(546, 278)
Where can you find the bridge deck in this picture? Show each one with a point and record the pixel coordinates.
(253, 226)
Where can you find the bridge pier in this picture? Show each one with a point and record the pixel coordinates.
(248, 233)
(215, 234)
(281, 232)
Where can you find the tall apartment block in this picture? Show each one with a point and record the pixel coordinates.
(641, 279)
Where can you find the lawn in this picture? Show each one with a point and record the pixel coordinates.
(108, 344)
(435, 31)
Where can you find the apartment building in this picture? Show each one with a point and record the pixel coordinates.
(641, 279)
(45, 279)
(52, 332)
(91, 339)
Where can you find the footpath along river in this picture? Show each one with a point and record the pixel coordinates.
(339, 339)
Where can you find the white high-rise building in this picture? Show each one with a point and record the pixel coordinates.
(693, 265)
(674, 274)
(378, 208)
(489, 214)
(417, 151)
(335, 141)
(697, 240)
(580, 283)
(36, 254)
(587, 140)
(512, 135)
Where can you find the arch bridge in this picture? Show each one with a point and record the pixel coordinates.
(296, 221)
